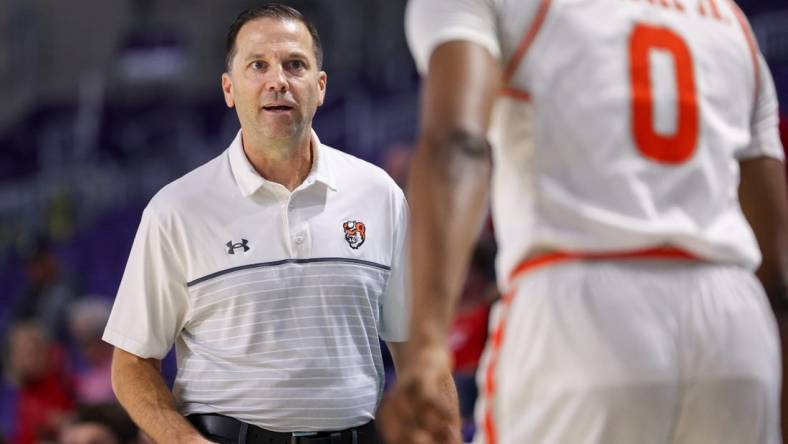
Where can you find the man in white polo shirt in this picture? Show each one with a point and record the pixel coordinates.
(273, 269)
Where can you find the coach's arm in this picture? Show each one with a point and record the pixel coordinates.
(141, 390)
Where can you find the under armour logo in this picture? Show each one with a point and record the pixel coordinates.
(232, 246)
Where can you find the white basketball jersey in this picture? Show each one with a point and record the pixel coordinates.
(621, 123)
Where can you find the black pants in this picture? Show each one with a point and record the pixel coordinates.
(226, 430)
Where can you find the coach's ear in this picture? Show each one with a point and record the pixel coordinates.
(227, 89)
(322, 80)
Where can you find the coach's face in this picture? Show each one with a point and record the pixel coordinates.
(273, 81)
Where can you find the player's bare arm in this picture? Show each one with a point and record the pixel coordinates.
(141, 390)
(449, 183)
(449, 186)
(764, 200)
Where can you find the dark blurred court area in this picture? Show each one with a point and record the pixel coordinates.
(106, 101)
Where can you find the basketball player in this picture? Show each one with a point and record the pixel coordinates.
(632, 142)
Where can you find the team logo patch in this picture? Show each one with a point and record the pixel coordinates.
(232, 246)
(355, 233)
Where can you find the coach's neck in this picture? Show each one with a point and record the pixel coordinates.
(284, 160)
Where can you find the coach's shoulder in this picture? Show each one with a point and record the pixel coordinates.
(188, 191)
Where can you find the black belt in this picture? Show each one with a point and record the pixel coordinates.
(226, 430)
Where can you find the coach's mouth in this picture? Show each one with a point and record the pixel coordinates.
(278, 108)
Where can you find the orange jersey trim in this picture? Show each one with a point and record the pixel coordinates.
(515, 93)
(752, 43)
(526, 42)
(560, 256)
(495, 341)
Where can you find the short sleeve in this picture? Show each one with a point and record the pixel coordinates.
(429, 23)
(395, 309)
(765, 140)
(152, 302)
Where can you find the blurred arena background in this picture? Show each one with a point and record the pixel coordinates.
(105, 101)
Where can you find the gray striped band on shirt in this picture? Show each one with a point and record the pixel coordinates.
(286, 345)
(287, 261)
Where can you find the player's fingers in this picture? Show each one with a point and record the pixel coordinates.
(424, 395)
(388, 421)
(419, 436)
(419, 415)
(408, 432)
(452, 435)
(391, 434)
(417, 410)
(396, 417)
(435, 419)
(431, 404)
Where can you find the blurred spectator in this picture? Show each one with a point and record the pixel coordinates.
(99, 424)
(48, 291)
(396, 162)
(86, 322)
(37, 367)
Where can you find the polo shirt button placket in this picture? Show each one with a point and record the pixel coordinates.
(296, 237)
(300, 239)
(287, 207)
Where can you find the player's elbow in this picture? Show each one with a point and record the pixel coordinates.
(457, 153)
(458, 141)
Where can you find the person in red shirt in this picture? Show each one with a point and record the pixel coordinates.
(45, 395)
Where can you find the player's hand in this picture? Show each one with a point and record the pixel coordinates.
(417, 410)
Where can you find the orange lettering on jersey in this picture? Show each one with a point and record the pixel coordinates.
(668, 4)
(710, 8)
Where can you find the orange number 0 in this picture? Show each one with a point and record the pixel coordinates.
(679, 146)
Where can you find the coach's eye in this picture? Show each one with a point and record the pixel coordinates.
(257, 65)
(295, 65)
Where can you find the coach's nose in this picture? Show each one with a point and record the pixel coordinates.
(275, 80)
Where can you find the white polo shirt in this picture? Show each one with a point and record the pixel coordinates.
(274, 300)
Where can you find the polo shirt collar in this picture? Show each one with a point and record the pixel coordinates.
(249, 180)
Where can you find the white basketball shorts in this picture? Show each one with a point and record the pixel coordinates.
(632, 351)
